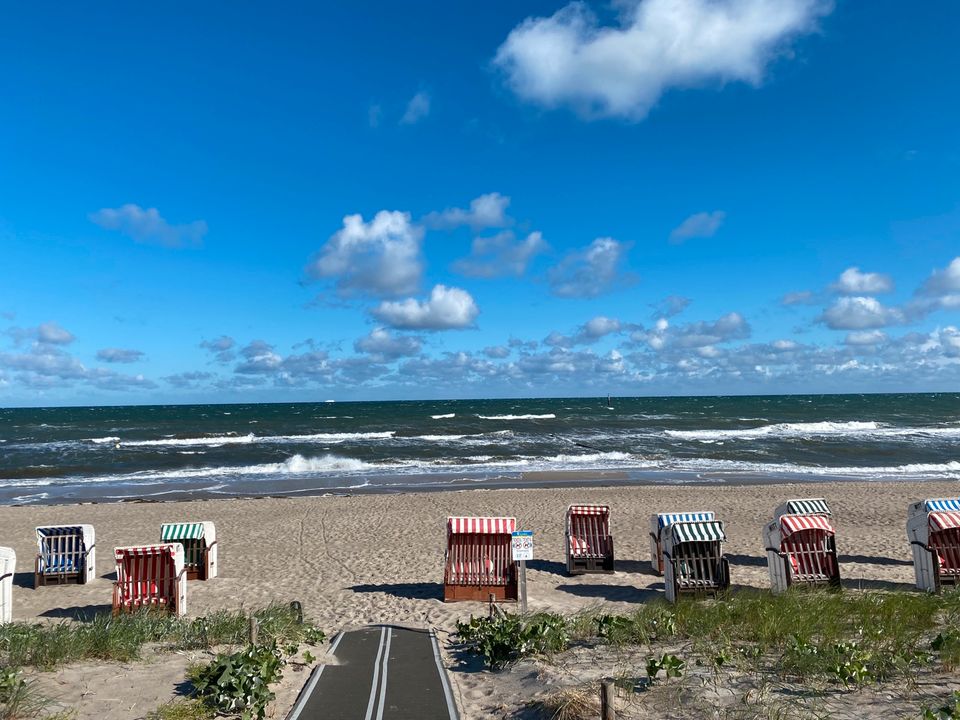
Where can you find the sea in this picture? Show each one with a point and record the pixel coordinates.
(103, 454)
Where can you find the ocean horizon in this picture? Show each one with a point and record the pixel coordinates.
(156, 452)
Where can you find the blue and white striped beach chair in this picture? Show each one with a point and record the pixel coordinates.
(658, 525)
(65, 554)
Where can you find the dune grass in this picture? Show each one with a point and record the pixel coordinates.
(851, 638)
(122, 637)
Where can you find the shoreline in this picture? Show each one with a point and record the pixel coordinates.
(440, 483)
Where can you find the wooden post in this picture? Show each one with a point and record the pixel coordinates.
(607, 707)
(297, 609)
(254, 630)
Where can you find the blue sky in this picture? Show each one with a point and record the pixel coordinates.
(236, 202)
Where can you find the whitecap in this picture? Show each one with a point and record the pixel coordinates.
(445, 416)
(546, 416)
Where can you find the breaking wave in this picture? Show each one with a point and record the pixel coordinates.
(545, 416)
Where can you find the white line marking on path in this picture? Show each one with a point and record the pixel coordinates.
(307, 692)
(376, 674)
(383, 676)
(444, 680)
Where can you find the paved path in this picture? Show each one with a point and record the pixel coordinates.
(381, 673)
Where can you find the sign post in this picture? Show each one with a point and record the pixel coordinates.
(521, 544)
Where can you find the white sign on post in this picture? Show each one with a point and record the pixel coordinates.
(522, 545)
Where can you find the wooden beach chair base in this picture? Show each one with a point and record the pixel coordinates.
(480, 593)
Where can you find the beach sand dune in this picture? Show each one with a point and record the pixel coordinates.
(354, 560)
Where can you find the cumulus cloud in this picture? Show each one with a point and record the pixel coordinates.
(446, 309)
(697, 335)
(48, 333)
(854, 282)
(381, 343)
(670, 306)
(259, 357)
(621, 70)
(119, 355)
(380, 258)
(940, 291)
(496, 352)
(50, 366)
(700, 225)
(221, 348)
(860, 313)
(486, 211)
(418, 108)
(590, 332)
(592, 271)
(865, 338)
(147, 226)
(501, 255)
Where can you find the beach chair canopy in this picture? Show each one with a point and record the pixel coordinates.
(942, 505)
(667, 519)
(790, 524)
(171, 532)
(588, 527)
(808, 506)
(703, 531)
(481, 525)
(940, 521)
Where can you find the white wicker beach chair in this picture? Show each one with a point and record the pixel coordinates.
(199, 542)
(801, 550)
(479, 559)
(8, 567)
(693, 560)
(150, 576)
(659, 523)
(65, 554)
(589, 544)
(933, 529)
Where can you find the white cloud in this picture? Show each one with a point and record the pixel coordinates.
(590, 332)
(497, 352)
(259, 357)
(485, 211)
(590, 272)
(417, 109)
(701, 225)
(622, 70)
(119, 355)
(865, 338)
(943, 282)
(854, 282)
(221, 348)
(860, 313)
(670, 306)
(702, 334)
(382, 343)
(380, 258)
(49, 333)
(147, 226)
(501, 255)
(446, 309)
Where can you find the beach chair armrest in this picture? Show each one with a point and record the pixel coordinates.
(6, 575)
(89, 550)
(655, 537)
(778, 551)
(211, 544)
(667, 555)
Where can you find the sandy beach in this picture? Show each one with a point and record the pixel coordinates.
(353, 560)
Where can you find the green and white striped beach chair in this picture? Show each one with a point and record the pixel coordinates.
(693, 560)
(8, 566)
(199, 542)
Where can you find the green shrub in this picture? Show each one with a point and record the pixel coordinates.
(506, 638)
(948, 711)
(17, 697)
(671, 665)
(238, 683)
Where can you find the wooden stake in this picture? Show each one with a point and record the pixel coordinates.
(254, 630)
(607, 708)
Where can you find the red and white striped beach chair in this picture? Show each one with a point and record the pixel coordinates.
(933, 528)
(801, 550)
(150, 576)
(8, 567)
(479, 561)
(65, 554)
(589, 543)
(199, 542)
(693, 559)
